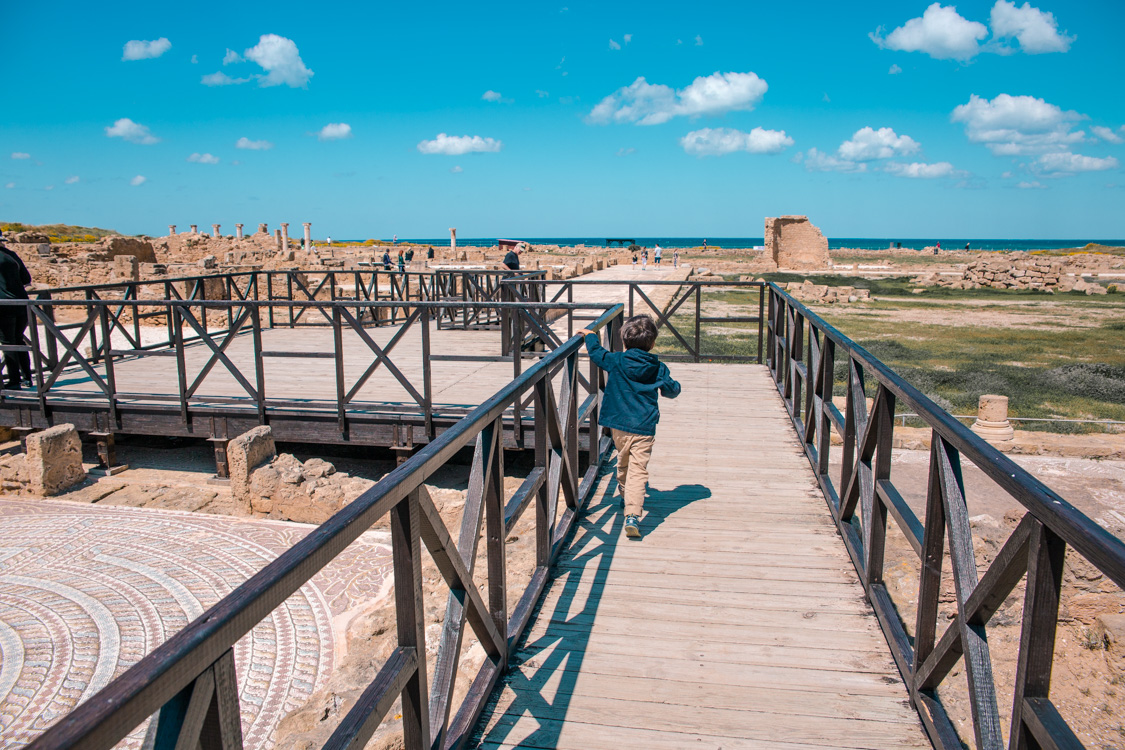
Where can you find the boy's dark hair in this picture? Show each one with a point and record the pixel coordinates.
(638, 332)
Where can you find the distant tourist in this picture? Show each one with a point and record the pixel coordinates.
(386, 260)
(430, 253)
(401, 262)
(329, 241)
(630, 407)
(656, 252)
(14, 276)
(394, 240)
(675, 259)
(704, 244)
(634, 260)
(644, 259)
(512, 259)
(966, 245)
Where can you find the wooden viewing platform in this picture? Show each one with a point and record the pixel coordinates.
(753, 613)
(736, 622)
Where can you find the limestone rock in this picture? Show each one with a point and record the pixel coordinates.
(168, 498)
(244, 454)
(54, 459)
(141, 249)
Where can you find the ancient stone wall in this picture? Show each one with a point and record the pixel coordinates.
(794, 243)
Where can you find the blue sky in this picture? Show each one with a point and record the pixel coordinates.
(877, 119)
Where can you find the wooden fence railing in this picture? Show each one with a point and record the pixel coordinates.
(802, 354)
(188, 682)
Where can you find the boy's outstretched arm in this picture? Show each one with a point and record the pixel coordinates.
(598, 353)
(669, 388)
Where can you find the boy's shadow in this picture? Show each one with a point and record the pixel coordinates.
(659, 504)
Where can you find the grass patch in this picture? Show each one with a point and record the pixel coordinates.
(60, 232)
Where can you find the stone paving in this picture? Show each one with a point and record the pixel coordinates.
(85, 592)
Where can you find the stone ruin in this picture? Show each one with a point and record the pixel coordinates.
(1006, 272)
(794, 243)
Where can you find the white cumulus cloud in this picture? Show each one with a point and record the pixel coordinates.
(198, 158)
(491, 96)
(818, 161)
(222, 79)
(281, 60)
(921, 170)
(1037, 31)
(868, 144)
(250, 145)
(131, 131)
(1106, 134)
(941, 32)
(644, 103)
(334, 131)
(1013, 125)
(1068, 163)
(140, 50)
(138, 180)
(71, 180)
(232, 57)
(719, 141)
(455, 145)
(20, 155)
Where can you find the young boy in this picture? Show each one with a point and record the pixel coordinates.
(630, 409)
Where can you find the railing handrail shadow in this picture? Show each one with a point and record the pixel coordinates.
(802, 363)
(189, 678)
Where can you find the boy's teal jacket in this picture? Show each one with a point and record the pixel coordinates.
(635, 378)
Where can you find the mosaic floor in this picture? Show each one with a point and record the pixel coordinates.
(85, 592)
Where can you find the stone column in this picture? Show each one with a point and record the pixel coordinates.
(992, 419)
(215, 230)
(238, 231)
(284, 236)
(453, 238)
(308, 236)
(277, 239)
(195, 229)
(263, 229)
(171, 230)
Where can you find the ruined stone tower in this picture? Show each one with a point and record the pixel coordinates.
(792, 242)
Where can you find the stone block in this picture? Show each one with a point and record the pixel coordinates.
(115, 246)
(793, 242)
(54, 460)
(244, 454)
(126, 268)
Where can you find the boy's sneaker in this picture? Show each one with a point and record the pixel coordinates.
(632, 527)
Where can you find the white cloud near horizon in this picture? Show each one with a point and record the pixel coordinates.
(1065, 163)
(141, 50)
(1107, 134)
(1017, 125)
(281, 60)
(198, 158)
(818, 161)
(138, 180)
(1036, 31)
(334, 131)
(942, 33)
(222, 79)
(1033, 185)
(921, 170)
(644, 103)
(491, 96)
(250, 145)
(456, 145)
(72, 179)
(133, 132)
(868, 144)
(720, 141)
(20, 155)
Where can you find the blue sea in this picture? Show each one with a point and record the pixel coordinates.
(861, 243)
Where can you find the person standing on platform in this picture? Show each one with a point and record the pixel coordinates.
(636, 378)
(512, 260)
(14, 276)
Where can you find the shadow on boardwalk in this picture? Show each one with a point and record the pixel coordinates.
(546, 667)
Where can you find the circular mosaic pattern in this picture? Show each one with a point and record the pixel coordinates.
(86, 592)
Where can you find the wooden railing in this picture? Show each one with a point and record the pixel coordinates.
(688, 345)
(188, 682)
(802, 354)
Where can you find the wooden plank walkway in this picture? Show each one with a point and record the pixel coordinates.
(737, 622)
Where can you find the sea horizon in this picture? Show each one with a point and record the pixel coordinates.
(854, 243)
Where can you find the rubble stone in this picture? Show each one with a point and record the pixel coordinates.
(246, 453)
(54, 459)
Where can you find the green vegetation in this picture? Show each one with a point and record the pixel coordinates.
(60, 232)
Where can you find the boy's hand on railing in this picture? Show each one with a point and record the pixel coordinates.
(582, 332)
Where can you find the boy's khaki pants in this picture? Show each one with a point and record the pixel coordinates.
(633, 452)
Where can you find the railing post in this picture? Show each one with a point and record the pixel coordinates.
(494, 532)
(409, 616)
(761, 319)
(427, 373)
(544, 524)
(698, 306)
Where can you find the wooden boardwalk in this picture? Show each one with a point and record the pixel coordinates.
(738, 620)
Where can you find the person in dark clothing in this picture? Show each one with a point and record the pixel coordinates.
(14, 277)
(386, 260)
(630, 409)
(512, 259)
(401, 262)
(430, 253)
